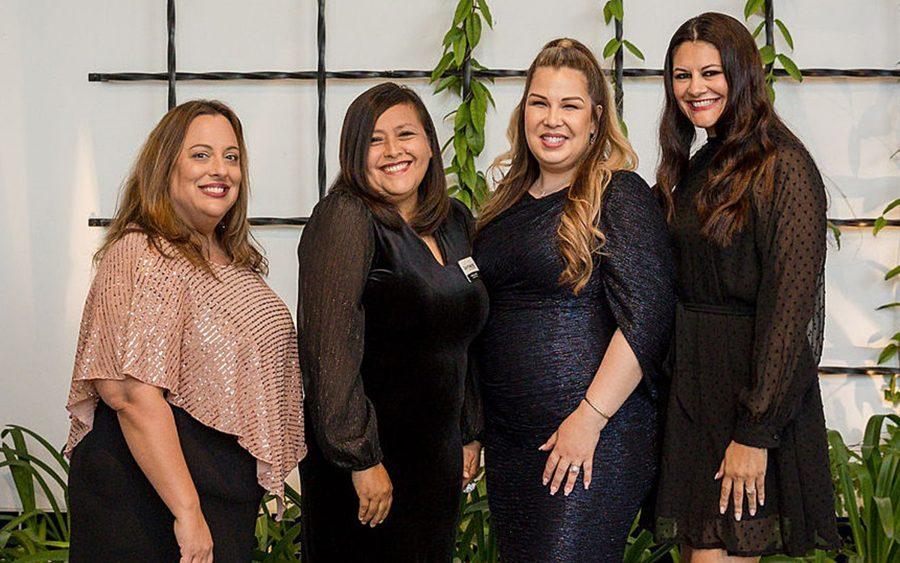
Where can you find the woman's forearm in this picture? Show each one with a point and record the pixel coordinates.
(149, 428)
(617, 377)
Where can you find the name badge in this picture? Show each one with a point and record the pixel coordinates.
(467, 265)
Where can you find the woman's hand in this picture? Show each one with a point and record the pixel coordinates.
(572, 449)
(375, 491)
(193, 537)
(471, 461)
(743, 468)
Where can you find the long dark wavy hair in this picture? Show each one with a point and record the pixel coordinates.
(356, 136)
(747, 129)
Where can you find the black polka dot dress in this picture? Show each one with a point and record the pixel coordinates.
(748, 338)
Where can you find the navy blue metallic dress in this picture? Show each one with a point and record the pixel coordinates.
(538, 354)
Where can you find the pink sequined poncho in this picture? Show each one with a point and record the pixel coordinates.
(223, 350)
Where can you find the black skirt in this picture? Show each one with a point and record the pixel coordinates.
(118, 516)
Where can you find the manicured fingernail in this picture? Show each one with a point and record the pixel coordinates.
(567, 492)
(721, 510)
(752, 513)
(552, 491)
(544, 480)
(466, 474)
(737, 517)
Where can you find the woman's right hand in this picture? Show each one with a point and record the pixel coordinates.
(375, 491)
(194, 539)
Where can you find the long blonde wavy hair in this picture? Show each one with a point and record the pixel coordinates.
(146, 204)
(578, 234)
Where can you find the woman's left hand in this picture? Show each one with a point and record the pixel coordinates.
(471, 461)
(572, 449)
(742, 469)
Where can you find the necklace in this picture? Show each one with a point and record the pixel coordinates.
(547, 191)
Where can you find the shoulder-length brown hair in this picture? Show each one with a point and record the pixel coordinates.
(146, 203)
(356, 137)
(578, 234)
(747, 130)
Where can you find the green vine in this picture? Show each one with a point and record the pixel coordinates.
(767, 52)
(454, 72)
(892, 350)
(614, 10)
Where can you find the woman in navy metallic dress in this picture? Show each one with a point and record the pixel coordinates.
(575, 256)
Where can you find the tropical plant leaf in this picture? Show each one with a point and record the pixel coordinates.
(785, 33)
(888, 306)
(752, 7)
(634, 50)
(611, 47)
(459, 50)
(893, 272)
(442, 66)
(758, 29)
(767, 54)
(790, 67)
(462, 10)
(887, 353)
(486, 12)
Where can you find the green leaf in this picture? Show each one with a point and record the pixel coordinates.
(445, 83)
(785, 33)
(486, 12)
(462, 117)
(880, 223)
(462, 10)
(836, 233)
(441, 66)
(791, 67)
(618, 10)
(460, 148)
(752, 7)
(889, 352)
(459, 50)
(463, 196)
(473, 31)
(611, 47)
(607, 12)
(451, 36)
(894, 271)
(758, 29)
(478, 111)
(767, 53)
(770, 90)
(890, 207)
(634, 50)
(888, 306)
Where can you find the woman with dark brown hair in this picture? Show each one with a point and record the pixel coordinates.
(745, 459)
(389, 300)
(574, 253)
(185, 398)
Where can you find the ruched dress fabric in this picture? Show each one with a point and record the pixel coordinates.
(384, 330)
(223, 350)
(749, 331)
(541, 349)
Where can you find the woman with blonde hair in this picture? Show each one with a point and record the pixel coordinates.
(573, 250)
(185, 397)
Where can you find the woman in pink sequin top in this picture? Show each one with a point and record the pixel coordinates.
(186, 393)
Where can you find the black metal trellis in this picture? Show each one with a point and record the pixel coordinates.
(321, 76)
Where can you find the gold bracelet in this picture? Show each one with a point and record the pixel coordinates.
(593, 406)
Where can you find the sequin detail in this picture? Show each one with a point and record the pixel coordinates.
(223, 350)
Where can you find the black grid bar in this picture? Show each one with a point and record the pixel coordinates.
(402, 74)
(171, 74)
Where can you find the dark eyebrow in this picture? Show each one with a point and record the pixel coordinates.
(708, 66)
(205, 146)
(537, 96)
(573, 99)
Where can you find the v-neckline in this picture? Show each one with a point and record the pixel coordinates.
(437, 239)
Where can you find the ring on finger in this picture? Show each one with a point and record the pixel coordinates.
(574, 469)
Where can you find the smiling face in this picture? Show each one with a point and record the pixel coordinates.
(399, 154)
(207, 175)
(698, 82)
(559, 118)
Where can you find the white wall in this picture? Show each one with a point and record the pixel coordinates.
(67, 144)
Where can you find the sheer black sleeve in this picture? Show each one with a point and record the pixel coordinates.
(472, 421)
(790, 307)
(638, 271)
(335, 255)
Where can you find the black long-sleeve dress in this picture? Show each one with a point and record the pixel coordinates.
(749, 331)
(538, 354)
(384, 330)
